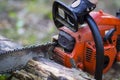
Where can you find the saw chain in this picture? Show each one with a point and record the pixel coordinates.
(16, 59)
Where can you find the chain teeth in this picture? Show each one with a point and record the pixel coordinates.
(27, 48)
(43, 47)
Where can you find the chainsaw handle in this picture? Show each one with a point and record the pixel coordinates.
(66, 18)
(99, 47)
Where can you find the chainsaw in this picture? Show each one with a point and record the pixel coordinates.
(90, 42)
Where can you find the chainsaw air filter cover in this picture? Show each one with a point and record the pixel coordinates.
(66, 41)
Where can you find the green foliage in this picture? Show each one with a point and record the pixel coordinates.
(12, 14)
(3, 77)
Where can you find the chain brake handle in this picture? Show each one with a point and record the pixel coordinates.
(68, 19)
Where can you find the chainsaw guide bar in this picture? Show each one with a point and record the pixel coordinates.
(16, 59)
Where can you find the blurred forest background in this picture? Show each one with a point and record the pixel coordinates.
(30, 21)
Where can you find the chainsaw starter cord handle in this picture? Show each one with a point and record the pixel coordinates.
(99, 47)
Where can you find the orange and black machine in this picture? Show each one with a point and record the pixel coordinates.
(91, 43)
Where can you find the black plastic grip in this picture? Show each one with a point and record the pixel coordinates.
(99, 47)
(68, 19)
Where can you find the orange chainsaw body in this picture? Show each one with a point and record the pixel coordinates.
(84, 52)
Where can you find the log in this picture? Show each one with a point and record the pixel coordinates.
(48, 70)
(42, 69)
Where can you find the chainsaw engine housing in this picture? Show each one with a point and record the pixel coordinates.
(81, 44)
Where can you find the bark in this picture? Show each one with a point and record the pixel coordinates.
(48, 70)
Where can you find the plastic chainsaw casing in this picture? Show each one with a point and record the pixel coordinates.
(84, 51)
